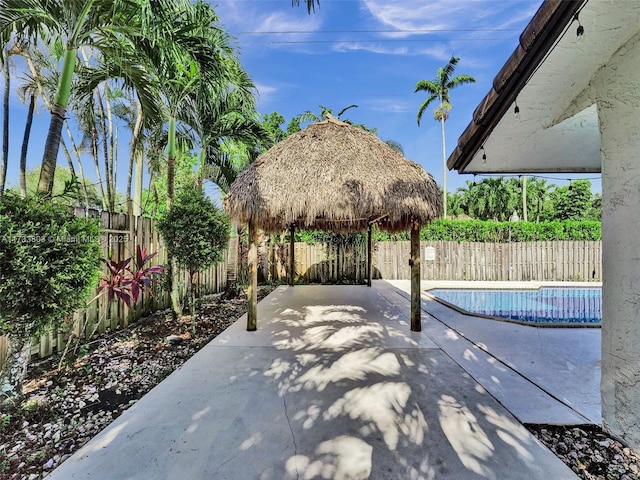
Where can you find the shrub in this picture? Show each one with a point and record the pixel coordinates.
(195, 231)
(49, 266)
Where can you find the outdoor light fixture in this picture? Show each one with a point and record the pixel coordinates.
(580, 30)
(474, 180)
(516, 110)
(484, 156)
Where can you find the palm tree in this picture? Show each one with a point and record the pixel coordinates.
(100, 25)
(4, 59)
(438, 89)
(311, 4)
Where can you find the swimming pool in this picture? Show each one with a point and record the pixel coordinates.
(575, 306)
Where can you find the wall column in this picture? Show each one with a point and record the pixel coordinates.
(617, 91)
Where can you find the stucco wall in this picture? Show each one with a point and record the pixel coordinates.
(616, 88)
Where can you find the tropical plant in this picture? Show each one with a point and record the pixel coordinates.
(438, 89)
(67, 26)
(125, 283)
(195, 232)
(4, 60)
(49, 265)
(311, 4)
(572, 202)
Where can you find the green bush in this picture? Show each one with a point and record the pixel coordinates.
(195, 231)
(503, 232)
(49, 264)
(478, 231)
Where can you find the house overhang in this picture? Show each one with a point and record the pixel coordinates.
(548, 76)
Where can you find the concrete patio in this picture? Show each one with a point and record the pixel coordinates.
(334, 385)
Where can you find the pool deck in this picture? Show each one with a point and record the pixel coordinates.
(553, 364)
(334, 385)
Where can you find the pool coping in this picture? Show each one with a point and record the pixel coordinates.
(518, 286)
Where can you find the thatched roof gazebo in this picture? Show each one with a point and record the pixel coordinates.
(334, 177)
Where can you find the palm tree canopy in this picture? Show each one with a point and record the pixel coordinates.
(311, 4)
(440, 86)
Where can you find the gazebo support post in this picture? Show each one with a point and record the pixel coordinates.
(292, 252)
(414, 262)
(369, 255)
(252, 291)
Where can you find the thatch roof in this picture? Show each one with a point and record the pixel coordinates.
(333, 176)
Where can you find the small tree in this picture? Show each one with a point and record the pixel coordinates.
(49, 266)
(196, 233)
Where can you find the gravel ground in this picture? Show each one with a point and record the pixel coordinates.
(63, 409)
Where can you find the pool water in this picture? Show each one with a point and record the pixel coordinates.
(548, 305)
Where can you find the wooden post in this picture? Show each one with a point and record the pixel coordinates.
(292, 251)
(252, 291)
(414, 262)
(369, 256)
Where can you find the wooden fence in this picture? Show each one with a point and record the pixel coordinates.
(533, 261)
(122, 233)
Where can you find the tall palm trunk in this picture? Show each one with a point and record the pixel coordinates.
(76, 152)
(137, 191)
(171, 161)
(58, 111)
(171, 165)
(133, 156)
(96, 163)
(105, 152)
(25, 146)
(5, 123)
(444, 166)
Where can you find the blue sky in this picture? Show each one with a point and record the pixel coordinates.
(365, 52)
(371, 53)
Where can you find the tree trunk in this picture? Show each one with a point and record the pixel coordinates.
(369, 255)
(414, 262)
(106, 154)
(58, 111)
(25, 147)
(76, 152)
(524, 198)
(5, 123)
(252, 291)
(133, 157)
(171, 161)
(444, 171)
(96, 163)
(51, 148)
(292, 251)
(13, 371)
(232, 259)
(137, 190)
(67, 154)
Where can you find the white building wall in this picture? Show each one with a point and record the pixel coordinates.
(616, 88)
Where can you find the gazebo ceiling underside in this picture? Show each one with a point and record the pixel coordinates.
(333, 177)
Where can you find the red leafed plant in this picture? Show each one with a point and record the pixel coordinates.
(126, 283)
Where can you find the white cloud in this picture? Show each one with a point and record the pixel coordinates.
(259, 25)
(390, 105)
(372, 46)
(265, 92)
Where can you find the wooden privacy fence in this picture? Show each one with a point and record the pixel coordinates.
(122, 233)
(443, 260)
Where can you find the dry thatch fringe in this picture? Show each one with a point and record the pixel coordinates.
(333, 176)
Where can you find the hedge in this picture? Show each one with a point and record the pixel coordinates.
(476, 231)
